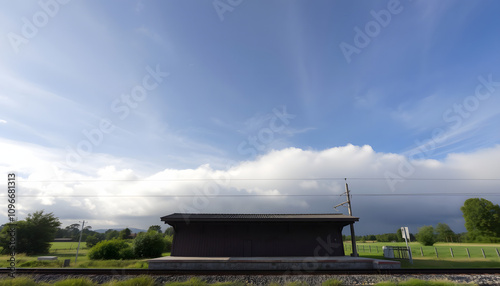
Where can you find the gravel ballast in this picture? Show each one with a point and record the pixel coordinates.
(479, 279)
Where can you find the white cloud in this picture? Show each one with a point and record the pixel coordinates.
(3, 121)
(117, 193)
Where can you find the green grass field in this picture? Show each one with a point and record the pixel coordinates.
(444, 259)
(67, 250)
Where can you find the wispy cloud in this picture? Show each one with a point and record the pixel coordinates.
(422, 114)
(215, 115)
(445, 140)
(150, 34)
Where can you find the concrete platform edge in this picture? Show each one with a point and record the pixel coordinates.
(270, 263)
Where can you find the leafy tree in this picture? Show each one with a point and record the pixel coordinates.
(111, 234)
(399, 234)
(91, 240)
(371, 237)
(34, 234)
(386, 237)
(60, 233)
(73, 231)
(461, 237)
(149, 244)
(94, 238)
(412, 237)
(88, 231)
(426, 235)
(168, 243)
(125, 233)
(169, 231)
(482, 218)
(444, 232)
(156, 228)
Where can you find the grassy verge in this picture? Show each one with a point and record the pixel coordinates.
(23, 261)
(144, 281)
(443, 249)
(444, 259)
(417, 282)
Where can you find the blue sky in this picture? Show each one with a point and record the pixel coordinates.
(138, 90)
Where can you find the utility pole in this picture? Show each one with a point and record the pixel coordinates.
(79, 240)
(353, 236)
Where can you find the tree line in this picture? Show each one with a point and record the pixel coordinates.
(482, 222)
(35, 234)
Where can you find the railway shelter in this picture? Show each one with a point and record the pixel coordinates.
(261, 242)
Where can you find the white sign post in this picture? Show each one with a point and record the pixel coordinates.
(406, 235)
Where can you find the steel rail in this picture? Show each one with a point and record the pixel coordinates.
(156, 272)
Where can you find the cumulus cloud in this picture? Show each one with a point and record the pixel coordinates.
(388, 190)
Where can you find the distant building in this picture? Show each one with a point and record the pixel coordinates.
(63, 239)
(257, 235)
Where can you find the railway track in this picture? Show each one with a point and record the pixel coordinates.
(132, 272)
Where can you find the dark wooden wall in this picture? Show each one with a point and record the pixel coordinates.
(257, 239)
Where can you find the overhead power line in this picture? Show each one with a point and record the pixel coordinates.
(255, 195)
(251, 179)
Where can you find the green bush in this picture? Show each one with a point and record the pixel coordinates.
(190, 282)
(109, 249)
(486, 239)
(168, 243)
(109, 264)
(149, 244)
(426, 235)
(141, 265)
(387, 283)
(137, 281)
(75, 282)
(127, 253)
(418, 282)
(18, 281)
(332, 282)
